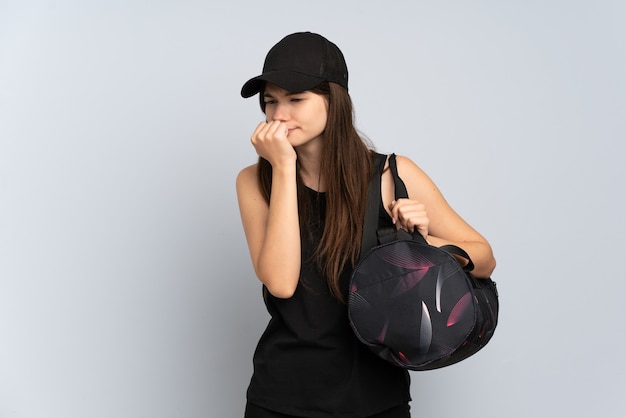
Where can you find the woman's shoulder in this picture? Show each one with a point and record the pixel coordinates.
(251, 169)
(247, 173)
(400, 158)
(409, 167)
(418, 182)
(247, 177)
(405, 162)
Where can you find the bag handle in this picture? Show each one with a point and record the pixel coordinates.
(400, 192)
(398, 185)
(372, 235)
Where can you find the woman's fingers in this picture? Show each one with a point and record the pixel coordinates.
(270, 141)
(268, 131)
(410, 215)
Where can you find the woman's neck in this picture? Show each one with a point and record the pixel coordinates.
(309, 162)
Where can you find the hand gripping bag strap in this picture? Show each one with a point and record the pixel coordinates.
(400, 192)
(371, 234)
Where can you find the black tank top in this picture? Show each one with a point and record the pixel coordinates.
(308, 362)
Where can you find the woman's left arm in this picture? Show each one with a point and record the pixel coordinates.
(427, 210)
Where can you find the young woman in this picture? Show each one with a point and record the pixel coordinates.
(302, 207)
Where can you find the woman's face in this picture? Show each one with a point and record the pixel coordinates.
(305, 113)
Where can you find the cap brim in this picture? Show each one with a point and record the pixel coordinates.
(289, 80)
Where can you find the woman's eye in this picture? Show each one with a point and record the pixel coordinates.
(270, 102)
(296, 99)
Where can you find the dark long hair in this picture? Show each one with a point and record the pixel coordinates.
(346, 167)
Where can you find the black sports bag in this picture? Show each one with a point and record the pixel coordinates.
(412, 303)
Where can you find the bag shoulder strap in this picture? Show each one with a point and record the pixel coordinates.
(400, 192)
(454, 250)
(398, 185)
(371, 235)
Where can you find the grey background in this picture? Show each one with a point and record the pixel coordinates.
(125, 284)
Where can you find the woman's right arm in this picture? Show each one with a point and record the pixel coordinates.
(272, 231)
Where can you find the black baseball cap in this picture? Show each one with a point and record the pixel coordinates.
(299, 62)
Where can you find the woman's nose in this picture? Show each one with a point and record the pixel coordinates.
(280, 113)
